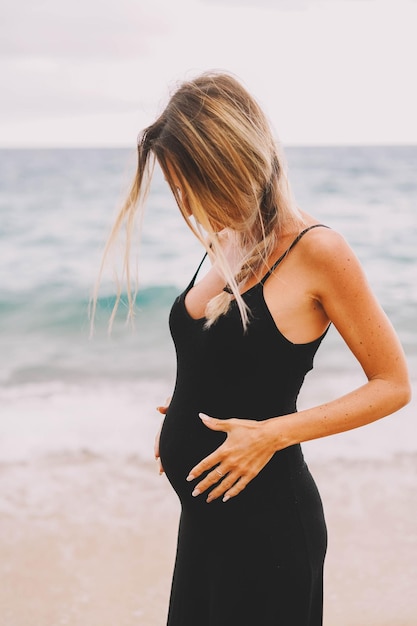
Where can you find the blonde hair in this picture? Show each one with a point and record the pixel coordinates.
(223, 165)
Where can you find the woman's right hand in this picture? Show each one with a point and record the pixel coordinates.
(161, 409)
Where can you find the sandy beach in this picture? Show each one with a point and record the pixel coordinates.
(90, 541)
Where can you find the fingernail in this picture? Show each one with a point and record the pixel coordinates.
(203, 416)
(190, 477)
(195, 493)
(226, 498)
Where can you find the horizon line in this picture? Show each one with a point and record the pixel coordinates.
(285, 145)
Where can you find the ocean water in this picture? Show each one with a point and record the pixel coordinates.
(62, 391)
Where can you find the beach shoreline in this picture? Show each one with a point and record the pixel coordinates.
(89, 539)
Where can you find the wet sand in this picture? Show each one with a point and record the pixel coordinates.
(90, 541)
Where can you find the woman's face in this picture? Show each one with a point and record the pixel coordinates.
(215, 225)
(179, 189)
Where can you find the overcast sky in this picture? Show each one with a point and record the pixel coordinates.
(94, 72)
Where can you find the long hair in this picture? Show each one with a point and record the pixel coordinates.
(223, 165)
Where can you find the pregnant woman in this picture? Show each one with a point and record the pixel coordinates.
(252, 535)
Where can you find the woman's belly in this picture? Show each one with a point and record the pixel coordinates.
(184, 442)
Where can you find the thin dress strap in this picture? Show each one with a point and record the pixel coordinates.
(275, 265)
(192, 281)
(294, 243)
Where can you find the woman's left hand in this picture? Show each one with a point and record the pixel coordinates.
(237, 461)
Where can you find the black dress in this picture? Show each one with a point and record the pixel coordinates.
(256, 560)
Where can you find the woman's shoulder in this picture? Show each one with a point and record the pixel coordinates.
(322, 243)
(331, 262)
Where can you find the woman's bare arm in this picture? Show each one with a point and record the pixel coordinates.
(340, 287)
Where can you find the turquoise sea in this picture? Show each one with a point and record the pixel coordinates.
(61, 391)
